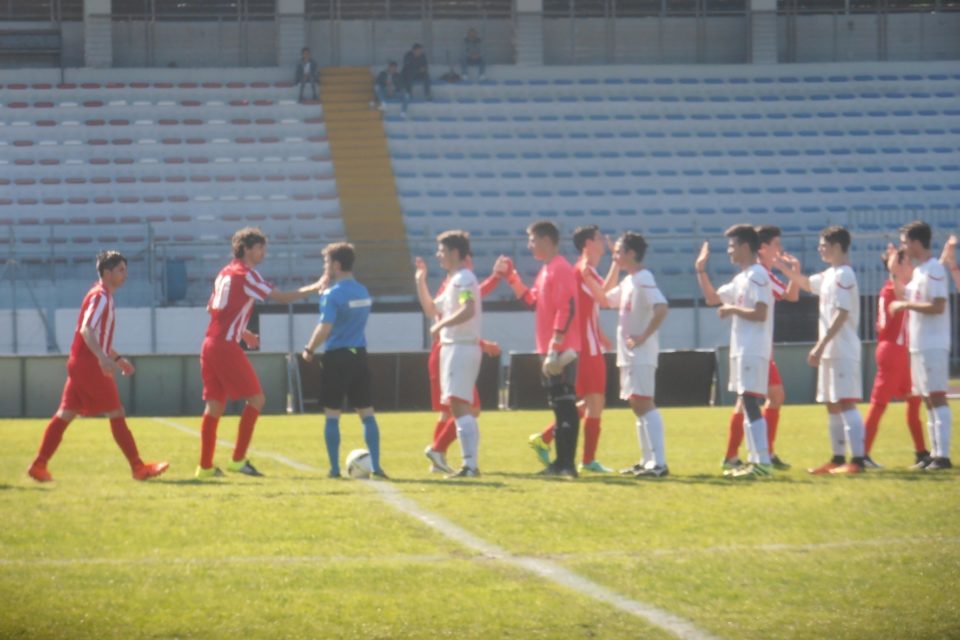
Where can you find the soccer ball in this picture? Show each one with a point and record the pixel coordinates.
(358, 464)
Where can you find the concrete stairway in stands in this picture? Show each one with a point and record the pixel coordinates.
(370, 207)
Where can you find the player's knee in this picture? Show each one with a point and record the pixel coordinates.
(751, 406)
(775, 396)
(257, 401)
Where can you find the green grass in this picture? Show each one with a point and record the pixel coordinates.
(295, 555)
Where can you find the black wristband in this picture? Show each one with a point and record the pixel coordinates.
(117, 359)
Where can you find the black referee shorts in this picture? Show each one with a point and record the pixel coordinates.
(346, 375)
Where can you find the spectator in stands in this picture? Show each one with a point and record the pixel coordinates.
(416, 69)
(307, 73)
(473, 55)
(389, 85)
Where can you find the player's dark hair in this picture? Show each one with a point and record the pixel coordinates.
(456, 239)
(582, 234)
(341, 252)
(767, 232)
(918, 230)
(901, 256)
(246, 238)
(108, 260)
(633, 241)
(836, 234)
(744, 234)
(545, 229)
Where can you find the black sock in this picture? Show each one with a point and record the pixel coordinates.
(567, 433)
(838, 460)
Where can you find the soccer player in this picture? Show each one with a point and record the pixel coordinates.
(837, 351)
(771, 250)
(445, 430)
(929, 337)
(554, 299)
(90, 389)
(893, 360)
(225, 368)
(749, 301)
(642, 309)
(457, 328)
(344, 310)
(592, 366)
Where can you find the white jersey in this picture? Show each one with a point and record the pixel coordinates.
(927, 331)
(461, 287)
(635, 297)
(837, 288)
(748, 289)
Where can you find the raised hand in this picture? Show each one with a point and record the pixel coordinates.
(701, 262)
(421, 269)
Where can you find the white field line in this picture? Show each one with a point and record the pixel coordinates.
(546, 569)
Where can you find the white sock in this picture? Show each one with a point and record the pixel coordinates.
(469, 434)
(761, 453)
(653, 423)
(646, 450)
(751, 443)
(944, 429)
(853, 428)
(932, 431)
(838, 439)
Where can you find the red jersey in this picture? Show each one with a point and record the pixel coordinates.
(235, 290)
(589, 311)
(554, 296)
(777, 286)
(96, 312)
(890, 326)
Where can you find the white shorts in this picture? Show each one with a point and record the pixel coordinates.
(639, 380)
(929, 370)
(459, 368)
(839, 379)
(749, 374)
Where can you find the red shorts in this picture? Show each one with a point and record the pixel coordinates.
(591, 375)
(226, 371)
(433, 369)
(893, 373)
(774, 376)
(89, 392)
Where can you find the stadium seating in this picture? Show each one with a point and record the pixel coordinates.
(172, 165)
(681, 153)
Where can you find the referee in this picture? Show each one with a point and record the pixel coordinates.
(344, 309)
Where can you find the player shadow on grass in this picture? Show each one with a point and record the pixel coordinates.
(468, 482)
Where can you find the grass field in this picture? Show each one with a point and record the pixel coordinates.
(297, 555)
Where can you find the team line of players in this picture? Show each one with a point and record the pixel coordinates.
(566, 299)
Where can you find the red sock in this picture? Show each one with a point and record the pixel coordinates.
(437, 430)
(735, 436)
(208, 440)
(51, 440)
(872, 424)
(447, 437)
(591, 435)
(913, 423)
(547, 434)
(245, 432)
(124, 440)
(772, 416)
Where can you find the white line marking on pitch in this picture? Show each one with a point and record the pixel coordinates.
(546, 569)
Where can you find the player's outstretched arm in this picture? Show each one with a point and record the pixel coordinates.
(948, 258)
(286, 297)
(504, 267)
(423, 293)
(703, 278)
(790, 266)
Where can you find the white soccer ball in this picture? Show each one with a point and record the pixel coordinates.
(358, 464)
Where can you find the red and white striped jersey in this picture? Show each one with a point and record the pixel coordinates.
(589, 312)
(235, 290)
(777, 286)
(96, 312)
